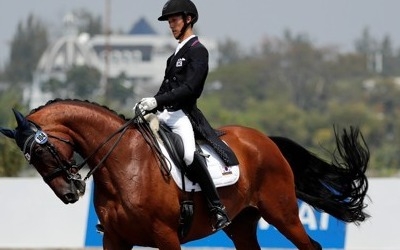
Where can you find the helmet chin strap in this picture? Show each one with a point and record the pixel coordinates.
(185, 26)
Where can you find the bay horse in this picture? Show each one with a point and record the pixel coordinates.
(138, 205)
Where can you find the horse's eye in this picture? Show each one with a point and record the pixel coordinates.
(39, 151)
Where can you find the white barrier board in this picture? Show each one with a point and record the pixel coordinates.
(31, 216)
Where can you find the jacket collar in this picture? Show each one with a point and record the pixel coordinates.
(181, 52)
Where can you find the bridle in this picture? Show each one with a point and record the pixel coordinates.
(69, 168)
(38, 137)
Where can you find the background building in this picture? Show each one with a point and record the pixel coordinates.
(140, 55)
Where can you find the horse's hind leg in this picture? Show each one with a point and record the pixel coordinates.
(243, 230)
(114, 243)
(316, 244)
(278, 206)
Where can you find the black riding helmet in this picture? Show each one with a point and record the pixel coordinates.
(184, 7)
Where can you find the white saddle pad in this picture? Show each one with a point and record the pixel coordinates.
(220, 173)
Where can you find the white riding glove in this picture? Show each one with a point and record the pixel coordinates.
(147, 104)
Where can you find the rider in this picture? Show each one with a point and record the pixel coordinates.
(183, 83)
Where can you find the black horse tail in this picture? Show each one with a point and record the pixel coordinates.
(337, 188)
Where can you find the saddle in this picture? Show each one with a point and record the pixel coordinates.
(172, 142)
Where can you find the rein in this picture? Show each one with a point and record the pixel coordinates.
(65, 166)
(143, 127)
(145, 130)
(121, 130)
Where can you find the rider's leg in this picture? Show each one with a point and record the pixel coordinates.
(197, 167)
(199, 172)
(180, 124)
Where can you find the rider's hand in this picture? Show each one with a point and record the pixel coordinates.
(148, 103)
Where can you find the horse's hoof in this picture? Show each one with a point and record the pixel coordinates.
(100, 228)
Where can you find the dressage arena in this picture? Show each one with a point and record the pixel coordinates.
(33, 218)
(135, 248)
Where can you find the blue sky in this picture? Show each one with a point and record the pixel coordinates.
(326, 22)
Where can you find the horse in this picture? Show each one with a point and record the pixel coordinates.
(138, 204)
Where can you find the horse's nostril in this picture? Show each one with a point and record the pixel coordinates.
(71, 198)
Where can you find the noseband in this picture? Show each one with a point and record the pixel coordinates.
(40, 138)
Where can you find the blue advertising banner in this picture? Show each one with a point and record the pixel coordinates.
(322, 227)
(93, 238)
(325, 229)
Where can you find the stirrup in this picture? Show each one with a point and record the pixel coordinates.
(221, 219)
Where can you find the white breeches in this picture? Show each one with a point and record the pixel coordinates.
(180, 124)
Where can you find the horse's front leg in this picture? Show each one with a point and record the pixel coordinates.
(112, 243)
(166, 238)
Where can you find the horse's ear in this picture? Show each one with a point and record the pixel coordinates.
(8, 132)
(22, 122)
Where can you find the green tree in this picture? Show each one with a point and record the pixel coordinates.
(229, 52)
(365, 44)
(121, 90)
(390, 61)
(27, 46)
(82, 82)
(11, 158)
(55, 86)
(295, 89)
(88, 23)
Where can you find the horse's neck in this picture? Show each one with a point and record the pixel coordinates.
(89, 128)
(100, 140)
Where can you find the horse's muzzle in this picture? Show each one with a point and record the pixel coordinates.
(70, 198)
(78, 188)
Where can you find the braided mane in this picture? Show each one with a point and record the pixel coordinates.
(77, 101)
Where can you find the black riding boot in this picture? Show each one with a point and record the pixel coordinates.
(198, 171)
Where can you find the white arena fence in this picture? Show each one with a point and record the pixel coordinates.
(32, 217)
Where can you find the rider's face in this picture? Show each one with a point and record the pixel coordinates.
(175, 24)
